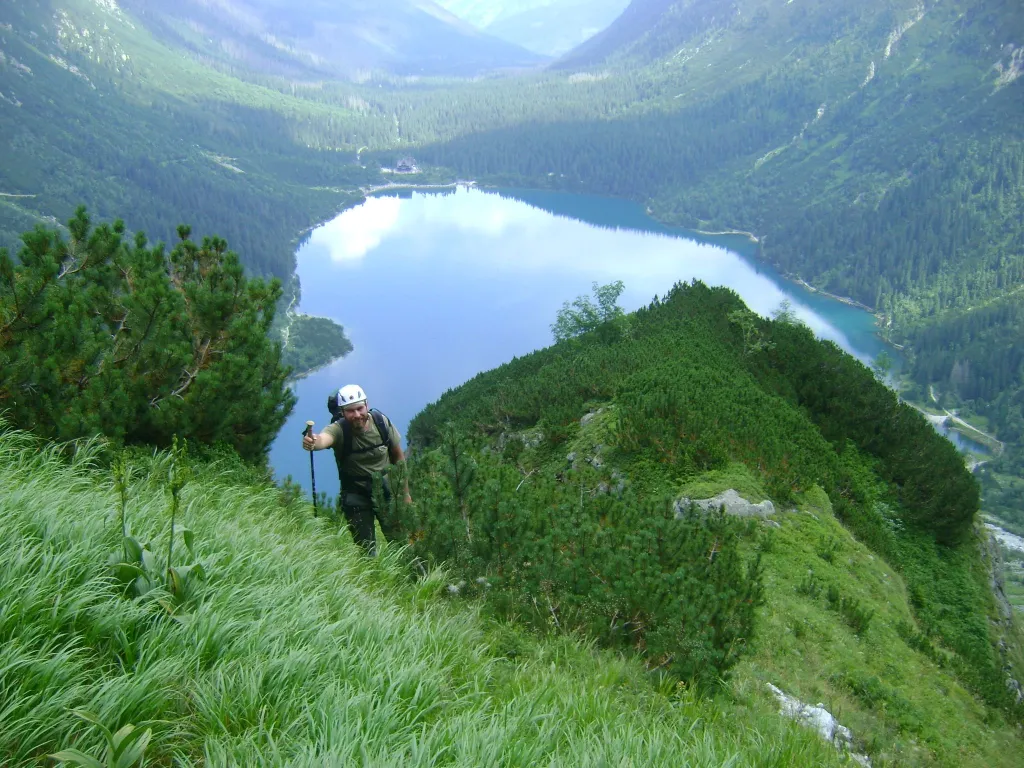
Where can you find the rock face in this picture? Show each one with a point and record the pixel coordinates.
(821, 720)
(990, 549)
(733, 503)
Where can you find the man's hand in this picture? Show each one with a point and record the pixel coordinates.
(408, 499)
(308, 441)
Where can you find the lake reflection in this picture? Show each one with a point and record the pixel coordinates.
(435, 288)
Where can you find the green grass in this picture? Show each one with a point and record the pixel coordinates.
(907, 709)
(299, 651)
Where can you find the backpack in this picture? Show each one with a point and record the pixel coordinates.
(342, 453)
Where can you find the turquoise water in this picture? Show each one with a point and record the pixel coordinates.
(433, 288)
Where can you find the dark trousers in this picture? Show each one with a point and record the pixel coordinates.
(360, 512)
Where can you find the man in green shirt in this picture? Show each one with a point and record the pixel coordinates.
(365, 444)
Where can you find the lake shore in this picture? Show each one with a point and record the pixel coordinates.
(396, 185)
(953, 422)
(843, 299)
(749, 235)
(315, 369)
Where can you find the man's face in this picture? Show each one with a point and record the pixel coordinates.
(357, 415)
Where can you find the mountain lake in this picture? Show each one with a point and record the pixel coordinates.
(433, 287)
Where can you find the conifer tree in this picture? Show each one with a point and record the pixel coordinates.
(98, 336)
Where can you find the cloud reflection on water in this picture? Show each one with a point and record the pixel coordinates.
(515, 238)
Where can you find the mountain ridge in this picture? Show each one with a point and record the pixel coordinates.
(321, 39)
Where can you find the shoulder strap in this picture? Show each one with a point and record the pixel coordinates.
(346, 439)
(382, 426)
(346, 431)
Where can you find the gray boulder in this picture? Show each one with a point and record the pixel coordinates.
(733, 503)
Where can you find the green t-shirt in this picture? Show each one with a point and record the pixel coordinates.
(369, 454)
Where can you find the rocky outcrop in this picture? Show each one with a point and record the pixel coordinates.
(821, 720)
(730, 501)
(990, 551)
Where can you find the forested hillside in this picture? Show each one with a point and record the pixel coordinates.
(96, 113)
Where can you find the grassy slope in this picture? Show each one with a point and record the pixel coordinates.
(300, 651)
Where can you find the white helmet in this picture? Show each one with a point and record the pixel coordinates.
(350, 394)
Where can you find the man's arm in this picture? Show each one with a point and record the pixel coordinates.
(397, 455)
(318, 442)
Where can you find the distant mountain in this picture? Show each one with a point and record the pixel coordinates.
(347, 38)
(550, 27)
(648, 28)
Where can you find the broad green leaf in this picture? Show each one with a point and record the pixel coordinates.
(175, 583)
(133, 549)
(120, 736)
(89, 717)
(135, 748)
(149, 562)
(195, 571)
(142, 586)
(129, 743)
(76, 757)
(126, 573)
(167, 605)
(190, 540)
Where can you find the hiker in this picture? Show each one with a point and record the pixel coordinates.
(365, 442)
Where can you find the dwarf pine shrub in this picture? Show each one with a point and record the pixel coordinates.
(561, 556)
(858, 617)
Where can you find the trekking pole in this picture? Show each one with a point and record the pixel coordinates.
(312, 470)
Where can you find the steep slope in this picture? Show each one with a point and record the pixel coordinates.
(293, 649)
(640, 19)
(97, 112)
(341, 39)
(273, 641)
